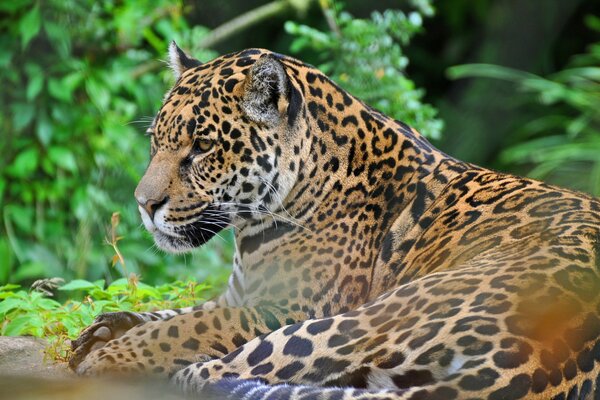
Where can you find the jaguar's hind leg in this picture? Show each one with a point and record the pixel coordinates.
(432, 338)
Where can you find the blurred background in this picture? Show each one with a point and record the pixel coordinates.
(509, 84)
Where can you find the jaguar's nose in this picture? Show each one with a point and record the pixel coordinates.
(152, 206)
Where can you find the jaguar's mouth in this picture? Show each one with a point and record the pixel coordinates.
(187, 237)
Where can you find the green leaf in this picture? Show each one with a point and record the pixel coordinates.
(2, 189)
(34, 86)
(78, 284)
(73, 326)
(47, 304)
(24, 164)
(5, 261)
(72, 81)
(29, 270)
(10, 304)
(59, 36)
(44, 129)
(22, 216)
(22, 115)
(29, 26)
(98, 93)
(6, 55)
(58, 90)
(120, 283)
(99, 283)
(9, 286)
(144, 290)
(63, 157)
(593, 22)
(488, 71)
(13, 5)
(17, 326)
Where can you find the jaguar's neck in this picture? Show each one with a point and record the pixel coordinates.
(359, 161)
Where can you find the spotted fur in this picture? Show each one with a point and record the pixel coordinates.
(368, 265)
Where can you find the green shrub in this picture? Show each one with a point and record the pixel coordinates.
(561, 141)
(365, 57)
(76, 78)
(33, 313)
(81, 82)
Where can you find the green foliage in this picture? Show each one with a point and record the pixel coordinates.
(78, 84)
(32, 313)
(562, 138)
(365, 57)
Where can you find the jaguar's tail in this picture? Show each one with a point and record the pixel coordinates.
(240, 389)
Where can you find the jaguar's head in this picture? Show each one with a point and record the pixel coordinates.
(218, 146)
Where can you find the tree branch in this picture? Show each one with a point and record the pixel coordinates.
(329, 15)
(235, 26)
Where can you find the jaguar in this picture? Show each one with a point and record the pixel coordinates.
(368, 264)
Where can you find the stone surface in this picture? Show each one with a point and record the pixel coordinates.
(25, 356)
(24, 375)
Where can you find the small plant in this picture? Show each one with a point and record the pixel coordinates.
(112, 240)
(32, 312)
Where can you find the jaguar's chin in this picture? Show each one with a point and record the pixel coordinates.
(195, 234)
(172, 244)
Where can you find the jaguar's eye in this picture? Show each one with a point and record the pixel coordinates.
(202, 145)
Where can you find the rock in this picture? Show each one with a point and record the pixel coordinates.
(24, 375)
(24, 356)
(37, 388)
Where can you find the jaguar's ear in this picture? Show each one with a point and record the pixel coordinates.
(179, 61)
(268, 92)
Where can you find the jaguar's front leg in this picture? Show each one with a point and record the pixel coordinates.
(113, 325)
(162, 347)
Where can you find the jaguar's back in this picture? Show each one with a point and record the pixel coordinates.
(375, 264)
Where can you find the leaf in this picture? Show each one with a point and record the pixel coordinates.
(73, 327)
(44, 129)
(24, 164)
(29, 26)
(9, 286)
(78, 284)
(13, 5)
(10, 304)
(488, 71)
(34, 86)
(119, 283)
(147, 290)
(6, 261)
(58, 90)
(20, 215)
(100, 283)
(98, 93)
(17, 326)
(59, 36)
(72, 81)
(63, 157)
(47, 304)
(2, 189)
(29, 270)
(22, 115)
(6, 55)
